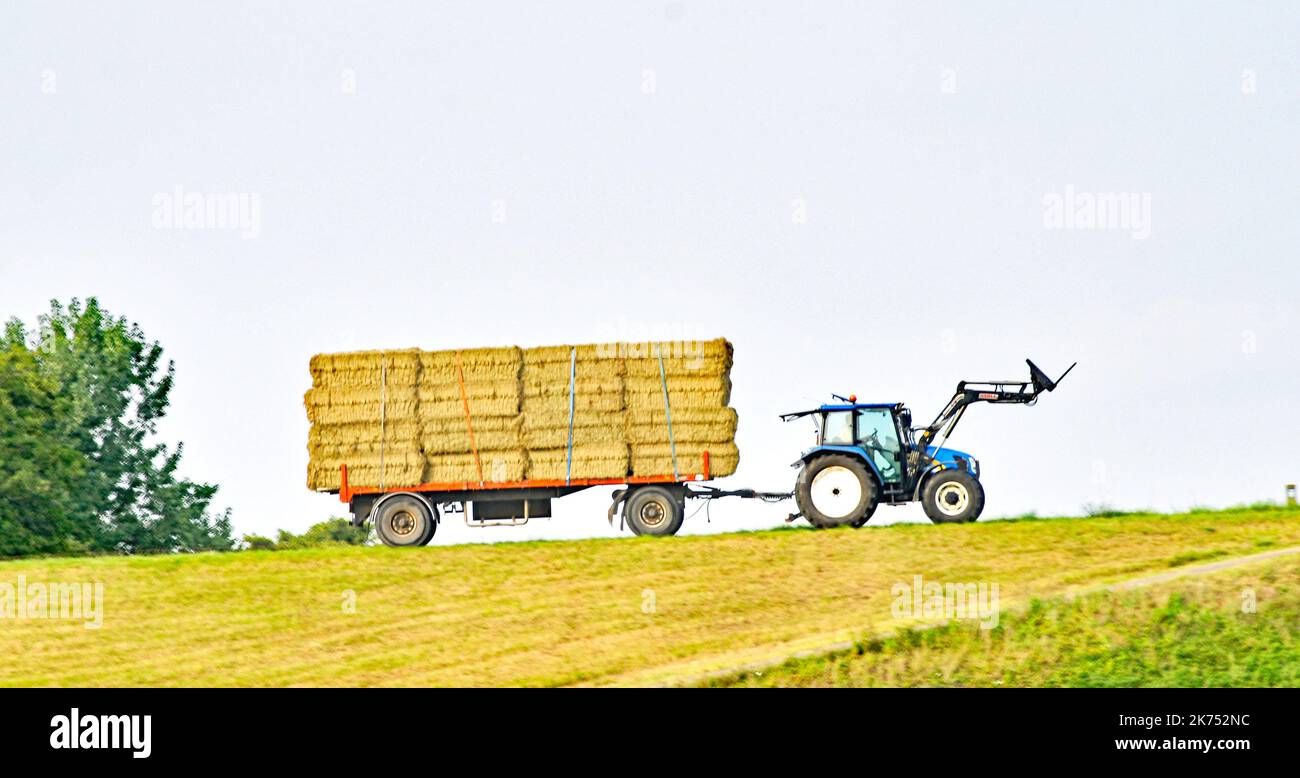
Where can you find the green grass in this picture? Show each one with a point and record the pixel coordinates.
(1187, 634)
(610, 611)
(1189, 557)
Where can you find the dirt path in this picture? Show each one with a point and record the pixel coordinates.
(1192, 570)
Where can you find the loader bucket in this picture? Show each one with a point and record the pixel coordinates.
(1041, 382)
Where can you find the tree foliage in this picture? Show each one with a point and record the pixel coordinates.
(80, 466)
(332, 532)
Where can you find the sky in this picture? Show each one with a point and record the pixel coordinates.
(870, 198)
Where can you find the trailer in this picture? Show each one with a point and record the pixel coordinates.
(647, 505)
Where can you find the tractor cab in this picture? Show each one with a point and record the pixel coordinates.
(869, 429)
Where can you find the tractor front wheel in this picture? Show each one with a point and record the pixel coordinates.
(952, 496)
(835, 490)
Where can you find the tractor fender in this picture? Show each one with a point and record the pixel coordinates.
(939, 467)
(852, 451)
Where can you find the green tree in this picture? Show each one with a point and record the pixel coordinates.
(40, 468)
(111, 386)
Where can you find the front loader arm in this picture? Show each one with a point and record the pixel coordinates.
(970, 392)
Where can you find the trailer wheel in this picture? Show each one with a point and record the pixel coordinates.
(405, 521)
(952, 496)
(835, 490)
(653, 510)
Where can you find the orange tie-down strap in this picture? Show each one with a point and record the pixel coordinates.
(469, 419)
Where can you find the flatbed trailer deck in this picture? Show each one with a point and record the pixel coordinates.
(651, 505)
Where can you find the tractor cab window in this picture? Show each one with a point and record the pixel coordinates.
(837, 429)
(878, 435)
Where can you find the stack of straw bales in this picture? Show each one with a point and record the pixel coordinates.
(599, 447)
(363, 408)
(408, 407)
(698, 376)
(491, 392)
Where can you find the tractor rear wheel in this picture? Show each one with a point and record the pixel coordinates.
(952, 496)
(835, 490)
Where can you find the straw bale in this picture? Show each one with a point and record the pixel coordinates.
(478, 406)
(556, 415)
(365, 360)
(607, 460)
(656, 459)
(457, 441)
(392, 456)
(338, 396)
(362, 452)
(370, 412)
(558, 436)
(551, 407)
(654, 416)
(476, 365)
(393, 378)
(361, 368)
(502, 357)
(452, 425)
(689, 426)
(584, 384)
(691, 366)
(686, 383)
(399, 469)
(498, 466)
(473, 374)
(502, 390)
(640, 403)
(687, 350)
(557, 373)
(587, 353)
(361, 432)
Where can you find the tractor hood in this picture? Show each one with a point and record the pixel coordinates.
(947, 456)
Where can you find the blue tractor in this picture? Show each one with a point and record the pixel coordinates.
(869, 453)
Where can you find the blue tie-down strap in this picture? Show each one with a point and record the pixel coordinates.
(668, 411)
(573, 380)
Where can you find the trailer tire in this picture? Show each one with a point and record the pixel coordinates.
(952, 497)
(835, 490)
(653, 510)
(405, 521)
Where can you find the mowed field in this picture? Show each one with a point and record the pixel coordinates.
(1235, 627)
(618, 611)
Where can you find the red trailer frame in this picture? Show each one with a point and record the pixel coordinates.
(346, 492)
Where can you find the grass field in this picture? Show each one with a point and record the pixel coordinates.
(1237, 627)
(622, 611)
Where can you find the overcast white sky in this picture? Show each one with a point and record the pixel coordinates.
(853, 193)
